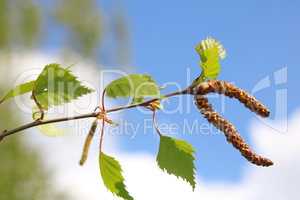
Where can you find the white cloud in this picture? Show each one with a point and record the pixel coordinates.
(279, 182)
(61, 154)
(144, 179)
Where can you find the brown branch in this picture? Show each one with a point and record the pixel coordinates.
(7, 133)
(205, 108)
(146, 103)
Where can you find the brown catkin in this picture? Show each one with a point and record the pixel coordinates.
(230, 132)
(228, 89)
(88, 142)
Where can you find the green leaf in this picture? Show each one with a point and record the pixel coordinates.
(137, 86)
(112, 177)
(211, 52)
(49, 130)
(137, 100)
(177, 157)
(19, 90)
(56, 85)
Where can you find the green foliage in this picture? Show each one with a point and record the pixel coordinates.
(137, 86)
(137, 100)
(49, 130)
(19, 90)
(4, 24)
(23, 176)
(177, 157)
(20, 23)
(211, 52)
(30, 23)
(84, 34)
(112, 177)
(56, 85)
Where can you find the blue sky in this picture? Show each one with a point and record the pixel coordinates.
(260, 37)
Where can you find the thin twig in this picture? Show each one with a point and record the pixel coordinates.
(6, 133)
(39, 123)
(103, 100)
(145, 103)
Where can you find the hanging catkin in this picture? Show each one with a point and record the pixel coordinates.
(228, 89)
(230, 132)
(88, 142)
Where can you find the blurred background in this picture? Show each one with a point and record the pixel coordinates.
(155, 37)
(31, 29)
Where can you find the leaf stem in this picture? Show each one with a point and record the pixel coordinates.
(103, 121)
(41, 110)
(101, 136)
(155, 123)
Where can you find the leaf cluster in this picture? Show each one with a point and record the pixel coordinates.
(57, 85)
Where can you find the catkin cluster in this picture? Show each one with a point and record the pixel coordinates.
(88, 142)
(225, 126)
(231, 91)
